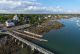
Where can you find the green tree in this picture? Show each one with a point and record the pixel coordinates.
(2, 19)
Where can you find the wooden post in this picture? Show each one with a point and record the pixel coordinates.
(22, 45)
(15, 40)
(19, 43)
(32, 49)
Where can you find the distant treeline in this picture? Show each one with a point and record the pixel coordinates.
(4, 17)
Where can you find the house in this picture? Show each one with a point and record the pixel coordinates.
(10, 23)
(49, 16)
(27, 19)
(45, 17)
(16, 19)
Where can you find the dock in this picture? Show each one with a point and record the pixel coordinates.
(34, 46)
(33, 34)
(32, 37)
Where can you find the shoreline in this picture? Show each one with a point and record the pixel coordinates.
(44, 27)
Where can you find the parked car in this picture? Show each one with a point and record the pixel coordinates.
(3, 30)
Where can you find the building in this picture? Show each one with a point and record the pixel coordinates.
(16, 18)
(49, 16)
(27, 19)
(10, 23)
(45, 17)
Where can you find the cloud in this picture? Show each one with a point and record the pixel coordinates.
(26, 6)
(18, 3)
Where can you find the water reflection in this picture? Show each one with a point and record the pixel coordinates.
(77, 21)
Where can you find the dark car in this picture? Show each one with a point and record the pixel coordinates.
(3, 30)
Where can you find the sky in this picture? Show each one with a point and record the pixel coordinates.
(39, 6)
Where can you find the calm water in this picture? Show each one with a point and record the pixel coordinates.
(65, 40)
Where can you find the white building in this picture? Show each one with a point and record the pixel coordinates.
(9, 23)
(49, 16)
(16, 18)
(45, 17)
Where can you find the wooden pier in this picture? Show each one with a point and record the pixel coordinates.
(34, 46)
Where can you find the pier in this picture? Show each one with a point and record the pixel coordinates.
(33, 34)
(18, 35)
(33, 46)
(25, 35)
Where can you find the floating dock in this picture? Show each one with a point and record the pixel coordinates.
(33, 34)
(23, 34)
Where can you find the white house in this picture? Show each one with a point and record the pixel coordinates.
(49, 15)
(45, 17)
(9, 23)
(16, 18)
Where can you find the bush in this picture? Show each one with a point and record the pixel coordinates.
(2, 19)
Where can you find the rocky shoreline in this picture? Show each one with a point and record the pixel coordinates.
(45, 27)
